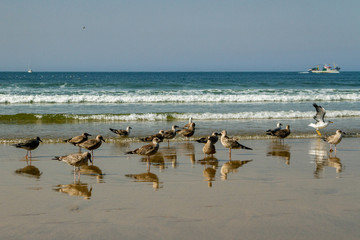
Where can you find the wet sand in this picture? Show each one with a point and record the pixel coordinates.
(292, 190)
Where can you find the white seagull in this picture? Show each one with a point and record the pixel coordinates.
(319, 117)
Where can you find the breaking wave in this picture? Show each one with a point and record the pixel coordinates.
(66, 118)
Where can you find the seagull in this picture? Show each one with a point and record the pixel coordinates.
(170, 134)
(92, 144)
(271, 131)
(29, 145)
(214, 138)
(230, 143)
(159, 135)
(209, 148)
(282, 133)
(188, 132)
(147, 150)
(78, 139)
(189, 123)
(334, 139)
(76, 159)
(319, 117)
(121, 132)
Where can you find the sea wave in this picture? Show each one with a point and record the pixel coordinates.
(66, 118)
(190, 97)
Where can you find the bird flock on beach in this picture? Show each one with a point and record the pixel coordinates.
(82, 141)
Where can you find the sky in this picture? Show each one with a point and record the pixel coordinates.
(182, 35)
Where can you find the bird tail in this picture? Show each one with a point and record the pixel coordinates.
(131, 152)
(17, 145)
(269, 132)
(56, 158)
(113, 130)
(244, 147)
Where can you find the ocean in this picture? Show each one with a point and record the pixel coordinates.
(55, 105)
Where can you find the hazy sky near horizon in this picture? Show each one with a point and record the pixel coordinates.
(186, 35)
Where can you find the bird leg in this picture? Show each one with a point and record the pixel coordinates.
(230, 154)
(148, 164)
(318, 132)
(92, 157)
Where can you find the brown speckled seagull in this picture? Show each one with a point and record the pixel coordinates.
(209, 148)
(147, 150)
(78, 139)
(188, 132)
(334, 139)
(92, 144)
(231, 143)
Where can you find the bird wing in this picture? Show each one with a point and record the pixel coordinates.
(320, 113)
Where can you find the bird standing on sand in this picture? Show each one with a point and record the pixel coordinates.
(29, 145)
(272, 131)
(188, 132)
(170, 134)
(76, 159)
(230, 143)
(334, 139)
(213, 137)
(159, 135)
(78, 139)
(282, 133)
(209, 148)
(319, 117)
(147, 150)
(121, 132)
(92, 144)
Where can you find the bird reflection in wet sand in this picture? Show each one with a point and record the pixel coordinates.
(92, 170)
(75, 189)
(29, 171)
(146, 177)
(188, 149)
(231, 167)
(280, 150)
(170, 156)
(157, 160)
(330, 161)
(209, 172)
(322, 158)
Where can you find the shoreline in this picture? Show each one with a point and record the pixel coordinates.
(291, 185)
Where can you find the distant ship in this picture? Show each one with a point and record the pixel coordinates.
(326, 69)
(29, 70)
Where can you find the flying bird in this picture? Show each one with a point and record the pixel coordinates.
(319, 118)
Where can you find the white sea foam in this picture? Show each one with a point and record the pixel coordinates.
(190, 97)
(208, 116)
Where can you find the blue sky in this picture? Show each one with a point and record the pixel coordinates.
(186, 35)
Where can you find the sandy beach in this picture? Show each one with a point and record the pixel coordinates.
(290, 190)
